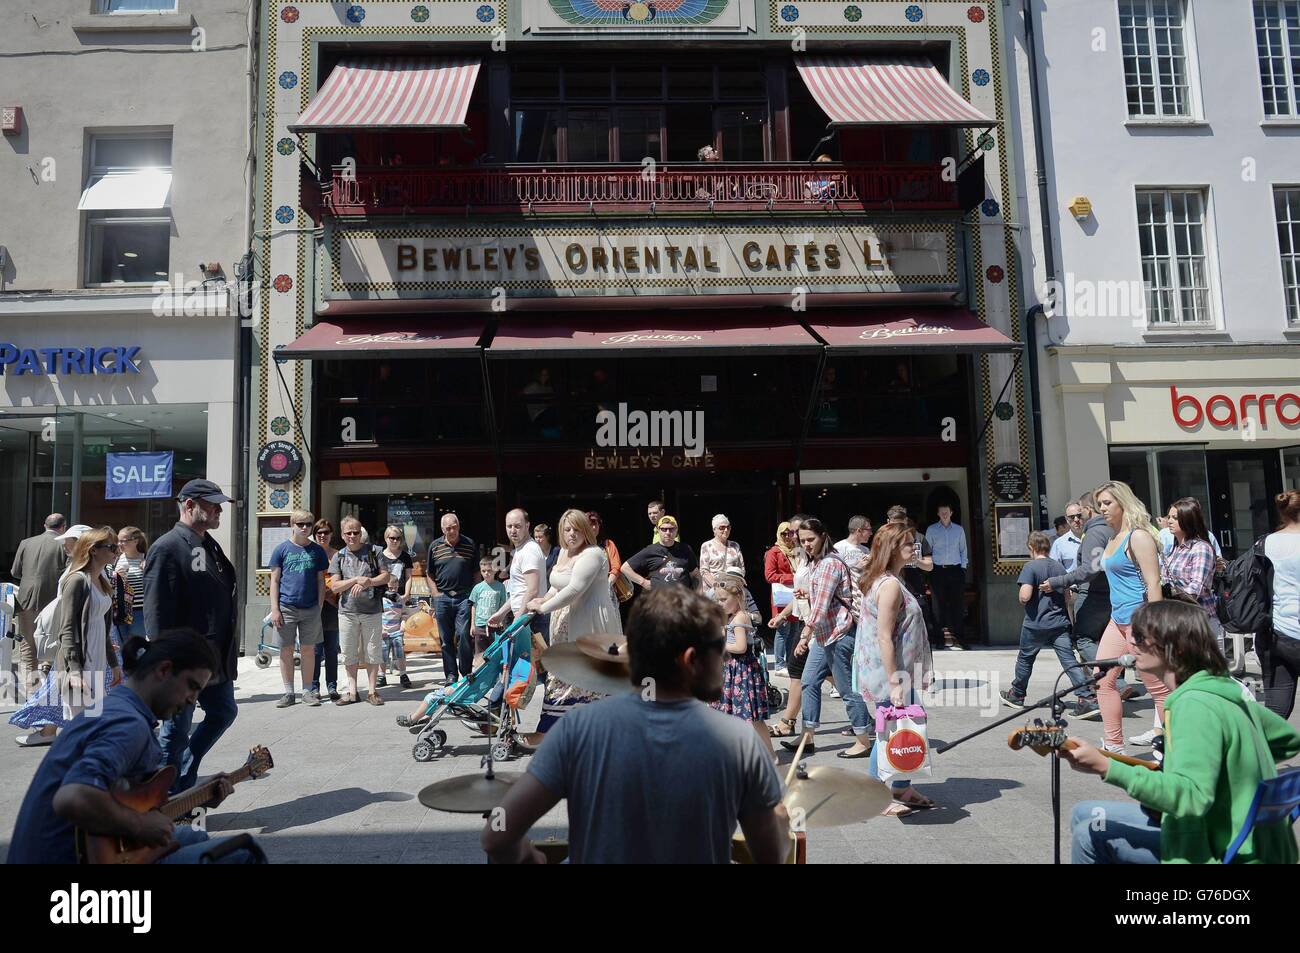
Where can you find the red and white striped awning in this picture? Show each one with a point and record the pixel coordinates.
(868, 90)
(392, 93)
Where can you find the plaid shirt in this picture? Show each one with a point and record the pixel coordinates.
(831, 597)
(1190, 567)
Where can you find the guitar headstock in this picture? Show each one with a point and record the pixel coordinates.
(259, 761)
(1039, 736)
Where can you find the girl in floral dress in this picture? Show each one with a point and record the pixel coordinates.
(744, 691)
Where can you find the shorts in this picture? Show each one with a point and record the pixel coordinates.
(360, 638)
(794, 663)
(302, 625)
(483, 637)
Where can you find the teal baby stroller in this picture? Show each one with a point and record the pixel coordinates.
(268, 649)
(502, 681)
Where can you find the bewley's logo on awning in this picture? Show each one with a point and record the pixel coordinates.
(63, 361)
(632, 338)
(869, 334)
(394, 337)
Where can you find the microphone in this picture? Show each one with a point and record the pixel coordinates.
(1124, 661)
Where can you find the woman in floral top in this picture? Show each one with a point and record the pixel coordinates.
(719, 554)
(892, 644)
(1189, 566)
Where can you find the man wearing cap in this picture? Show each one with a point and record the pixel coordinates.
(37, 566)
(189, 583)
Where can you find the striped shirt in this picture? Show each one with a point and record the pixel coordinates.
(453, 568)
(134, 578)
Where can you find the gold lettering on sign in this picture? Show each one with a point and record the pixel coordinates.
(832, 256)
(810, 252)
(405, 257)
(490, 259)
(651, 258)
(689, 260)
(598, 259)
(709, 263)
(750, 253)
(430, 259)
(532, 261)
(576, 257)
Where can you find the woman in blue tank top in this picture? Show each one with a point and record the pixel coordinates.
(1132, 566)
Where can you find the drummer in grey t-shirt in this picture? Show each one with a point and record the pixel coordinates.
(653, 775)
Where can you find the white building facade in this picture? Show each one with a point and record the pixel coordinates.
(1169, 348)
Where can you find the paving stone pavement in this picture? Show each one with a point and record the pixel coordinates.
(344, 785)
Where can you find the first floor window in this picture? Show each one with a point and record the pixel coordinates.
(136, 6)
(1175, 270)
(1155, 57)
(1286, 202)
(1277, 44)
(122, 249)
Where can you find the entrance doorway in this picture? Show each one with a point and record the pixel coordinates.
(1242, 487)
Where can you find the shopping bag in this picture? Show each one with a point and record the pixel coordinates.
(906, 746)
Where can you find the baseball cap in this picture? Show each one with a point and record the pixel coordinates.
(204, 490)
(75, 532)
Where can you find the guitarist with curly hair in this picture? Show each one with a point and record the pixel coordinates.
(1219, 744)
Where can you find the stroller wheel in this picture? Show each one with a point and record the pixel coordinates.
(423, 751)
(262, 660)
(297, 660)
(775, 697)
(502, 751)
(440, 737)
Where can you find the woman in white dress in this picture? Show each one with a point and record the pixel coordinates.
(579, 603)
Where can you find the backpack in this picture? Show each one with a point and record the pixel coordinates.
(1250, 591)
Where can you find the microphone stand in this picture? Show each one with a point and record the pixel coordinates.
(1055, 701)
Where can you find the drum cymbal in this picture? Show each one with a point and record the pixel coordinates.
(469, 793)
(570, 664)
(604, 648)
(831, 797)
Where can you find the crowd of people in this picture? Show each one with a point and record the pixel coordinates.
(114, 626)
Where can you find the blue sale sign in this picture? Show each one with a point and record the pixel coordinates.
(138, 476)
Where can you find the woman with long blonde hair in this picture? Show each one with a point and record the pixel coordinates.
(86, 664)
(579, 603)
(892, 644)
(1132, 565)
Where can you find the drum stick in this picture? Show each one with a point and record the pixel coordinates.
(794, 765)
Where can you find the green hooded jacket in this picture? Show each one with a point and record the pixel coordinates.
(1219, 744)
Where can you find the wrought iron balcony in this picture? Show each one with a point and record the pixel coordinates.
(627, 189)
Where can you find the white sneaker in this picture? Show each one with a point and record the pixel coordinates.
(835, 693)
(1113, 749)
(782, 671)
(1144, 740)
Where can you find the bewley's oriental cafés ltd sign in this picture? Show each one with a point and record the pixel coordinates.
(677, 259)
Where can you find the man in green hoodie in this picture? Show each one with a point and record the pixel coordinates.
(1219, 744)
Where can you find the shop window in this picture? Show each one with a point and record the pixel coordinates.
(1175, 264)
(1156, 58)
(126, 198)
(1286, 203)
(1160, 475)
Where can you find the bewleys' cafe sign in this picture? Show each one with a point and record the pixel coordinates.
(555, 261)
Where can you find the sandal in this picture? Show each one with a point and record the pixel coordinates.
(918, 801)
(898, 809)
(347, 698)
(372, 698)
(784, 728)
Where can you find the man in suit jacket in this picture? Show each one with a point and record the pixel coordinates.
(38, 565)
(189, 583)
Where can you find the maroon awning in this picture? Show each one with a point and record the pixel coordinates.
(627, 336)
(910, 330)
(385, 337)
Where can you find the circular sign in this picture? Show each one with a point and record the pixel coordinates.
(1010, 482)
(279, 462)
(906, 750)
(1002, 409)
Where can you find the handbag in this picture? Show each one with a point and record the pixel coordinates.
(622, 588)
(906, 751)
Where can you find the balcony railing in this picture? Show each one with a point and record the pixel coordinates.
(717, 187)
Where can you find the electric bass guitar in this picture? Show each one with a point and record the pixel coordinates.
(151, 795)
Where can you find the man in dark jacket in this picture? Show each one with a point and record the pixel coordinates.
(38, 564)
(1092, 608)
(189, 583)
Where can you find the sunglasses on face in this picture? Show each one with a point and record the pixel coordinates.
(111, 547)
(303, 525)
(788, 532)
(350, 532)
(1074, 516)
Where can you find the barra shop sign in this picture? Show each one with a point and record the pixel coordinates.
(63, 361)
(579, 260)
(1247, 412)
(138, 476)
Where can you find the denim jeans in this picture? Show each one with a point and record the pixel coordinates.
(328, 652)
(1113, 832)
(783, 642)
(194, 844)
(1032, 641)
(184, 751)
(452, 616)
(837, 662)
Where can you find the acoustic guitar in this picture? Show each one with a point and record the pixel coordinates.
(1043, 738)
(151, 795)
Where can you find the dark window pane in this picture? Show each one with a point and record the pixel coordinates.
(743, 131)
(690, 83)
(808, 125)
(639, 82)
(127, 251)
(638, 135)
(111, 153)
(689, 128)
(535, 135)
(741, 81)
(529, 81)
(586, 83)
(588, 135)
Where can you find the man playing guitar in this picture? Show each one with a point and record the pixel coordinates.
(1219, 744)
(73, 788)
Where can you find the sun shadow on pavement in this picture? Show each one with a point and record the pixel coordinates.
(304, 811)
(953, 795)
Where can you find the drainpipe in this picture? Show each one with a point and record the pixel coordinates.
(1049, 260)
